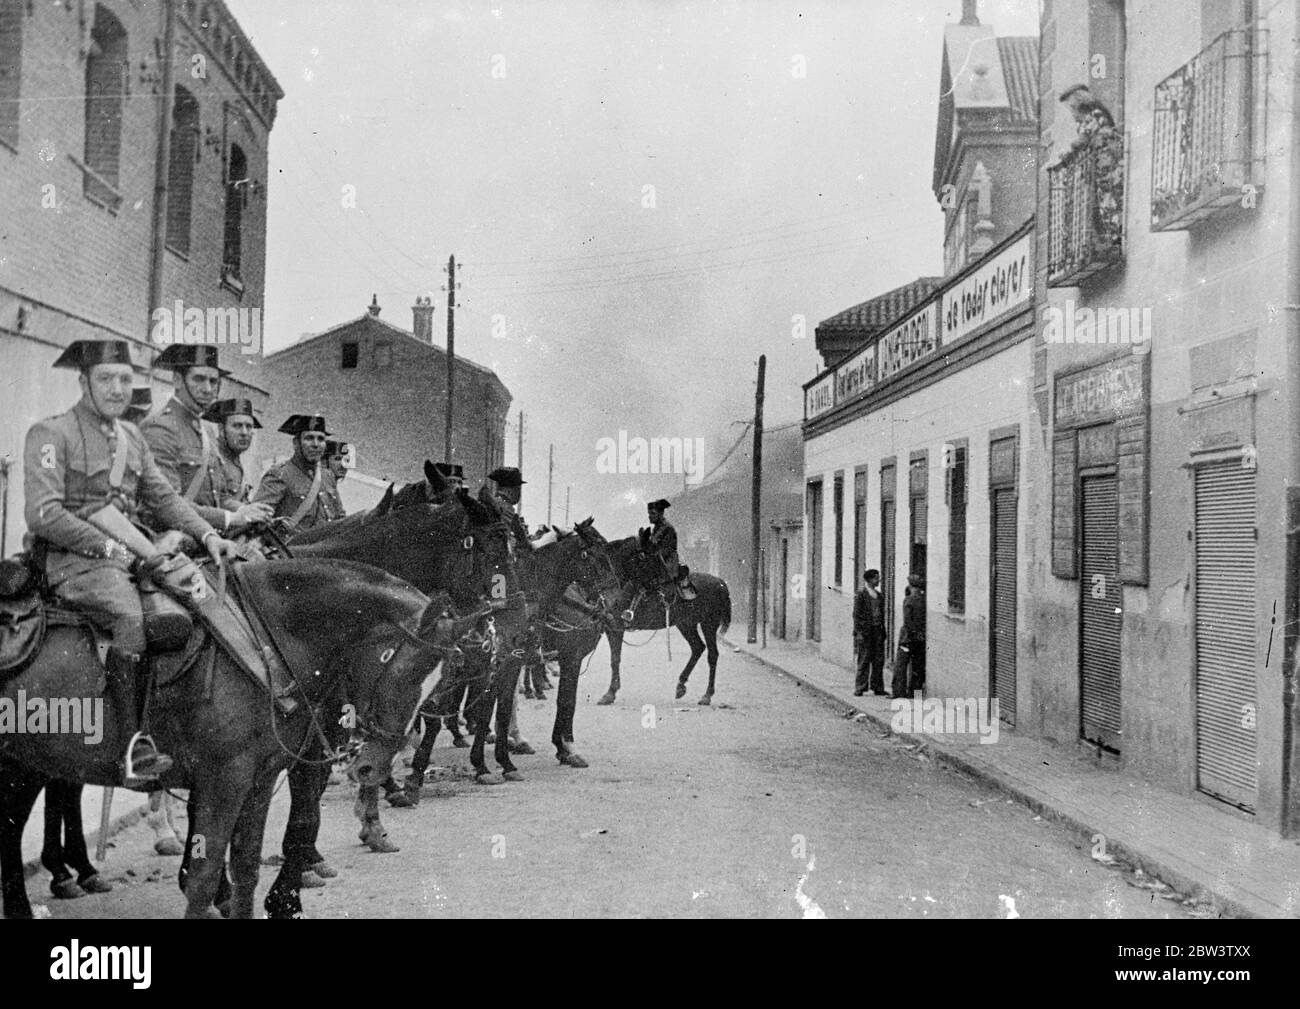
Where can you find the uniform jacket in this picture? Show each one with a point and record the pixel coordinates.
(512, 519)
(229, 487)
(913, 618)
(869, 614)
(175, 434)
(66, 464)
(662, 542)
(285, 487)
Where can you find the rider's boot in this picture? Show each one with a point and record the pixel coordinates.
(143, 760)
(685, 587)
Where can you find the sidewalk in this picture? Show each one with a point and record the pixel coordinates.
(1199, 850)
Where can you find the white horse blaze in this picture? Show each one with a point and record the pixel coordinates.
(426, 688)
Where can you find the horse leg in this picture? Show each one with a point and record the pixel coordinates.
(18, 792)
(62, 885)
(692, 637)
(373, 833)
(284, 899)
(214, 805)
(479, 714)
(246, 846)
(420, 759)
(165, 841)
(615, 661)
(508, 683)
(566, 704)
(711, 641)
(74, 837)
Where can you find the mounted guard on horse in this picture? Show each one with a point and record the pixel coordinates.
(662, 571)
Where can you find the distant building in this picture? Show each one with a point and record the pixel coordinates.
(81, 99)
(714, 533)
(384, 389)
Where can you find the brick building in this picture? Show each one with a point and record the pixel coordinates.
(81, 199)
(384, 389)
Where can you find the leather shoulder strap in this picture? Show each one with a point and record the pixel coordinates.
(196, 482)
(118, 470)
(309, 502)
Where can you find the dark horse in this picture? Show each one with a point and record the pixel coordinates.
(370, 637)
(706, 614)
(570, 626)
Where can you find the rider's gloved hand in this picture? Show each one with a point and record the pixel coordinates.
(252, 514)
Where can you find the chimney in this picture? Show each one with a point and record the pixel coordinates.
(969, 16)
(374, 305)
(422, 327)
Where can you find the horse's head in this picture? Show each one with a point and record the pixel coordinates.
(398, 670)
(595, 573)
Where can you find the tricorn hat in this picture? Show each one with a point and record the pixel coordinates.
(141, 404)
(507, 476)
(659, 505)
(82, 354)
(336, 447)
(299, 423)
(450, 469)
(189, 355)
(223, 408)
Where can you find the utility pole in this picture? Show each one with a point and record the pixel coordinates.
(162, 155)
(755, 504)
(566, 504)
(451, 355)
(550, 480)
(519, 459)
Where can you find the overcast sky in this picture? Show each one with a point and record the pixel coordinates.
(522, 137)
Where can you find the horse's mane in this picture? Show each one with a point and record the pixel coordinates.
(294, 591)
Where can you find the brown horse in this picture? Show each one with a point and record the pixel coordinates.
(708, 613)
(368, 640)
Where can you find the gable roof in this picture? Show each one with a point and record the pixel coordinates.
(386, 328)
(883, 308)
(1019, 54)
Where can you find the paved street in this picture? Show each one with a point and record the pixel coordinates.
(768, 804)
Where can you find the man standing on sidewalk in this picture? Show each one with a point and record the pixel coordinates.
(909, 664)
(869, 635)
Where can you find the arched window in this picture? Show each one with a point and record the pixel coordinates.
(106, 66)
(180, 170)
(236, 193)
(11, 68)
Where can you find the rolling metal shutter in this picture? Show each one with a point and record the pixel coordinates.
(1226, 755)
(1004, 603)
(1101, 614)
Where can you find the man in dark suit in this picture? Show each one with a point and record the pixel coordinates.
(909, 664)
(869, 635)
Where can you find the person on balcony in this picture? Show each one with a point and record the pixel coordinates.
(1101, 142)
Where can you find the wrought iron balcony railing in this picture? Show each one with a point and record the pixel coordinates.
(1086, 208)
(1208, 131)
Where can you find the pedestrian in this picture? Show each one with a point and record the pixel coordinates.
(909, 663)
(869, 635)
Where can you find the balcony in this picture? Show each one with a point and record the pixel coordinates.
(1208, 132)
(1086, 208)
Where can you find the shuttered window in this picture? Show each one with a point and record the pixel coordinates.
(955, 463)
(1226, 750)
(839, 530)
(1101, 614)
(1003, 592)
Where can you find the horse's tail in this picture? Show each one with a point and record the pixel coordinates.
(726, 609)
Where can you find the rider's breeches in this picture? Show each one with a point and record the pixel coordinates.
(109, 598)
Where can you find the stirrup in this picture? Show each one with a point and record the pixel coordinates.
(153, 765)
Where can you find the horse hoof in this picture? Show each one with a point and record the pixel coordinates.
(168, 846)
(512, 776)
(681, 691)
(608, 698)
(207, 912)
(310, 881)
(572, 759)
(400, 800)
(66, 889)
(491, 738)
(382, 846)
(487, 778)
(461, 743)
(273, 860)
(706, 700)
(523, 746)
(324, 870)
(95, 884)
